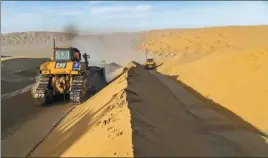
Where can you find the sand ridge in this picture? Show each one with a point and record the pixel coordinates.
(137, 110)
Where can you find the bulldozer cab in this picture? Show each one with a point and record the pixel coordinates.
(66, 54)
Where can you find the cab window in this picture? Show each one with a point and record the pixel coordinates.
(62, 55)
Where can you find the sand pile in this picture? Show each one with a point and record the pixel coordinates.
(137, 115)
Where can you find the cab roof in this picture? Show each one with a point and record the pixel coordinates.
(63, 47)
(69, 48)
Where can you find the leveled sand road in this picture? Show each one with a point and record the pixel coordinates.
(144, 113)
(18, 109)
(16, 76)
(18, 73)
(19, 112)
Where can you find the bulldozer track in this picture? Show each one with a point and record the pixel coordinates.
(78, 90)
(42, 94)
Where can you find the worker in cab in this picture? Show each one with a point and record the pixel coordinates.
(77, 55)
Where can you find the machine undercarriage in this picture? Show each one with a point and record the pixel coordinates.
(76, 91)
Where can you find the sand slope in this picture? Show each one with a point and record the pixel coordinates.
(137, 115)
(99, 127)
(224, 64)
(235, 81)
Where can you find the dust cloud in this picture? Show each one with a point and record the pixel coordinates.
(71, 30)
(119, 48)
(116, 49)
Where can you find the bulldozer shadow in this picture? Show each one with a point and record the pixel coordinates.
(59, 99)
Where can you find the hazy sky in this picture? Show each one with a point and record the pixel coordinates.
(105, 16)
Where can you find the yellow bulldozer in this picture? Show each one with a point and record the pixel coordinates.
(65, 74)
(150, 63)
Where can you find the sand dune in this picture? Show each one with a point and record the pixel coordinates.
(193, 44)
(224, 64)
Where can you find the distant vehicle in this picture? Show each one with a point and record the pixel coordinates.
(150, 63)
